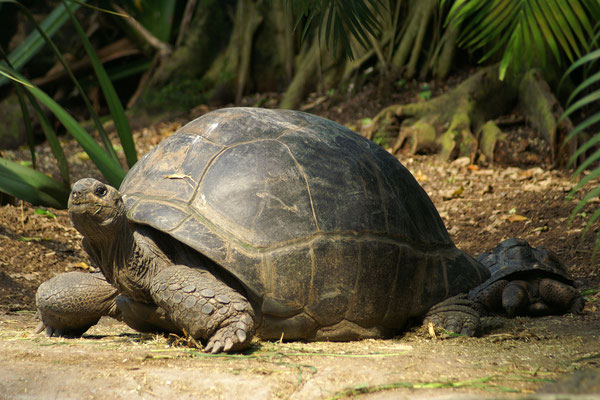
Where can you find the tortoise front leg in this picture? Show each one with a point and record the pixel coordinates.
(69, 304)
(204, 307)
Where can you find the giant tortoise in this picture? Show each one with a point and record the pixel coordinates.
(525, 281)
(269, 222)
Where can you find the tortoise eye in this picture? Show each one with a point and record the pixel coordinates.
(100, 191)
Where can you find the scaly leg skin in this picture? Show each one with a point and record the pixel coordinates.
(516, 297)
(456, 314)
(143, 317)
(69, 304)
(204, 307)
(561, 296)
(489, 299)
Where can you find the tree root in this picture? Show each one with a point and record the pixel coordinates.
(449, 123)
(459, 122)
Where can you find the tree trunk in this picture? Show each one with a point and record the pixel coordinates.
(305, 76)
(176, 83)
(543, 112)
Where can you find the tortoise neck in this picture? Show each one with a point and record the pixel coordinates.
(137, 260)
(114, 250)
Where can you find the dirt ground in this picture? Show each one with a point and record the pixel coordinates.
(481, 206)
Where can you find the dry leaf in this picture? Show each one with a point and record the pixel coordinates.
(81, 265)
(452, 194)
(458, 191)
(431, 330)
(176, 176)
(461, 162)
(421, 177)
(516, 218)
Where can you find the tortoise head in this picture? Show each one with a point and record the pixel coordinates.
(96, 209)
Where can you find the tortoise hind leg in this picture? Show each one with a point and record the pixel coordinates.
(204, 307)
(456, 314)
(561, 296)
(69, 304)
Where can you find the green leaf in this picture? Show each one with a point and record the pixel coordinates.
(34, 42)
(103, 135)
(590, 98)
(342, 20)
(563, 27)
(577, 18)
(31, 185)
(590, 223)
(45, 213)
(50, 134)
(582, 61)
(583, 202)
(492, 25)
(586, 179)
(588, 144)
(584, 85)
(545, 30)
(111, 169)
(52, 139)
(110, 94)
(586, 163)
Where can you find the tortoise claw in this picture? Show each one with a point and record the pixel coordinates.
(39, 328)
(231, 337)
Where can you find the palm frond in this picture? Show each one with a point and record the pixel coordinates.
(525, 30)
(341, 20)
(586, 94)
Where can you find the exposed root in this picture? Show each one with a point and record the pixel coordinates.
(448, 124)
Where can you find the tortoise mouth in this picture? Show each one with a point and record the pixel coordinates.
(85, 207)
(83, 204)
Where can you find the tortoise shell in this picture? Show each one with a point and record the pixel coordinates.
(315, 221)
(514, 258)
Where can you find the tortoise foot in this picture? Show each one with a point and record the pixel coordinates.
(235, 336)
(204, 308)
(456, 314)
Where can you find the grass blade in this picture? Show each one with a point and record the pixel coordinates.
(103, 135)
(34, 42)
(27, 122)
(110, 94)
(55, 147)
(109, 167)
(31, 185)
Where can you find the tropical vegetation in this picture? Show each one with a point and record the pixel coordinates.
(541, 54)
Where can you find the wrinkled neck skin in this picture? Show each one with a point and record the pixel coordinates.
(127, 257)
